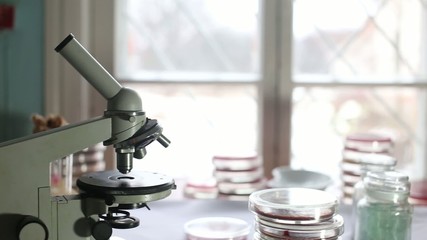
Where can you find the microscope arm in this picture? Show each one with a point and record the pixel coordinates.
(57, 143)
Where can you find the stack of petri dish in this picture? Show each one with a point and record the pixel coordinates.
(238, 176)
(360, 149)
(201, 189)
(295, 214)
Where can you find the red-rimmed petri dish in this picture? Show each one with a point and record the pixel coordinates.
(236, 163)
(369, 142)
(330, 229)
(201, 189)
(217, 228)
(251, 175)
(293, 205)
(241, 188)
(418, 193)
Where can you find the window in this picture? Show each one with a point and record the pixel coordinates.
(287, 79)
(358, 67)
(307, 72)
(196, 67)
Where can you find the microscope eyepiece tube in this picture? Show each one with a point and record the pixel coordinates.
(88, 67)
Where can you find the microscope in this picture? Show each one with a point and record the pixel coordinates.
(27, 209)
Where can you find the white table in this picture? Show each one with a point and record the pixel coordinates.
(166, 219)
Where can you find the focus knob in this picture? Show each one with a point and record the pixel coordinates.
(32, 228)
(102, 230)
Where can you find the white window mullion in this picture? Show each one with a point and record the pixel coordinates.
(285, 84)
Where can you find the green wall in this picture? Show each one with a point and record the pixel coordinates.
(21, 70)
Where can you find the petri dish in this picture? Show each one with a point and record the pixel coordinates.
(201, 189)
(236, 163)
(286, 177)
(418, 192)
(293, 205)
(239, 176)
(369, 142)
(330, 229)
(241, 188)
(217, 228)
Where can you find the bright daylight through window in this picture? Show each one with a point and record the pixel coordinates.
(198, 68)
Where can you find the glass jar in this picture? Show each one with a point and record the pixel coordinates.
(371, 163)
(384, 212)
(295, 214)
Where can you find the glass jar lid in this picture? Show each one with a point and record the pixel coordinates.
(293, 205)
(324, 230)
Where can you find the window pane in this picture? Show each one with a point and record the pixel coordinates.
(164, 49)
(188, 40)
(201, 121)
(323, 117)
(347, 40)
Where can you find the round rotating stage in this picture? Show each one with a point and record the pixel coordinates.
(118, 184)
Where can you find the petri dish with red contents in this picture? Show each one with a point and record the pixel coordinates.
(293, 205)
(201, 188)
(330, 229)
(245, 176)
(369, 142)
(241, 188)
(236, 163)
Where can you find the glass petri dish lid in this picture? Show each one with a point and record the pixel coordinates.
(217, 228)
(293, 205)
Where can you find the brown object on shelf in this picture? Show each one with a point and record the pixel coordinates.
(42, 123)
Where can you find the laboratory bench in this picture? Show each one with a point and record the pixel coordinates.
(166, 219)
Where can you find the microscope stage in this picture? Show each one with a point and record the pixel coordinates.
(118, 184)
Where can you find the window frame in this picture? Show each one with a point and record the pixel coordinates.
(275, 88)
